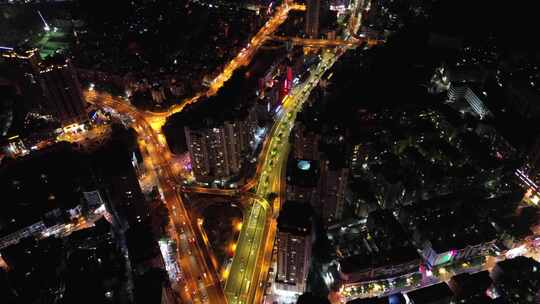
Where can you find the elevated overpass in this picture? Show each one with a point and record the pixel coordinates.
(207, 197)
(328, 43)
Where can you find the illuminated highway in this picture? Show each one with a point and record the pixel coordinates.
(252, 257)
(249, 268)
(198, 284)
(247, 276)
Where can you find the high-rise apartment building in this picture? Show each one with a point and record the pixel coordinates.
(294, 247)
(303, 181)
(197, 142)
(312, 18)
(305, 143)
(49, 87)
(18, 69)
(333, 184)
(457, 92)
(62, 90)
(218, 152)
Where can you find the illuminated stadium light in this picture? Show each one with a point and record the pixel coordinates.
(46, 26)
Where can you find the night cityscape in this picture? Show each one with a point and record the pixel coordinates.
(269, 152)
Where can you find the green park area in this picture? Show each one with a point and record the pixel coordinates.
(51, 42)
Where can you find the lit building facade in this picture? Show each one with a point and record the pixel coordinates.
(305, 143)
(48, 87)
(303, 182)
(20, 69)
(312, 18)
(294, 247)
(218, 153)
(63, 92)
(333, 186)
(293, 256)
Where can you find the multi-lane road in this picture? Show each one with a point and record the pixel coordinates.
(252, 258)
(198, 283)
(254, 250)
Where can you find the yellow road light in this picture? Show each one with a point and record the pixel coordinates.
(238, 226)
(225, 273)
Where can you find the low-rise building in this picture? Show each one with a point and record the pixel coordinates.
(471, 287)
(434, 294)
(518, 279)
(89, 263)
(43, 189)
(382, 251)
(448, 229)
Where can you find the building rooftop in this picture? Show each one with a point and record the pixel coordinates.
(459, 236)
(384, 243)
(149, 286)
(295, 217)
(303, 172)
(392, 299)
(383, 224)
(230, 104)
(450, 222)
(431, 294)
(467, 284)
(466, 74)
(87, 263)
(369, 301)
(366, 259)
(519, 266)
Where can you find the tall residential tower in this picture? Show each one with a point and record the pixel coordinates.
(312, 18)
(47, 86)
(294, 247)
